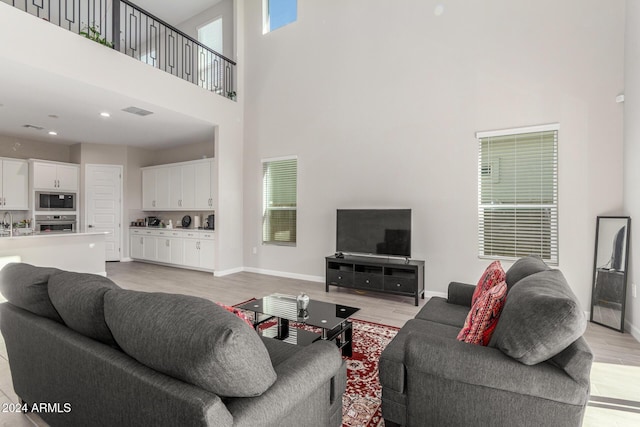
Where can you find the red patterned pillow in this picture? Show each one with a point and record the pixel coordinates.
(493, 275)
(241, 314)
(483, 316)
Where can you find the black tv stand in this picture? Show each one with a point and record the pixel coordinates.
(396, 276)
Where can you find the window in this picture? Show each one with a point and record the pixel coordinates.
(209, 65)
(518, 193)
(210, 35)
(279, 192)
(278, 13)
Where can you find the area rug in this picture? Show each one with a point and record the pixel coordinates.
(362, 398)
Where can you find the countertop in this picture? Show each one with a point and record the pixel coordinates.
(171, 229)
(50, 235)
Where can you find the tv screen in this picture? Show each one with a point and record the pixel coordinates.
(374, 231)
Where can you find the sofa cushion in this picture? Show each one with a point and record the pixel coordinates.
(391, 366)
(25, 286)
(524, 267)
(541, 318)
(483, 316)
(492, 275)
(191, 339)
(79, 298)
(439, 310)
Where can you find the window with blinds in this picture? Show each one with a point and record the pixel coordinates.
(518, 193)
(279, 192)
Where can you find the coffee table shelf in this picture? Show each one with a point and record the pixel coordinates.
(332, 320)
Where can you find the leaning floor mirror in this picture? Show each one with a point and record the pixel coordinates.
(610, 271)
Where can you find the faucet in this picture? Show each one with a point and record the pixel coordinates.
(4, 219)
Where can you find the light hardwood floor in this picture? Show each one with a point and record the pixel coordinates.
(615, 376)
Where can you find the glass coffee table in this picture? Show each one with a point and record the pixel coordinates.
(332, 320)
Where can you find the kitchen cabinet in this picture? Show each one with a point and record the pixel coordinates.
(203, 197)
(178, 186)
(182, 187)
(136, 245)
(55, 176)
(155, 189)
(185, 248)
(14, 184)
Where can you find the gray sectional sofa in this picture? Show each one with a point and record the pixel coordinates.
(534, 372)
(104, 356)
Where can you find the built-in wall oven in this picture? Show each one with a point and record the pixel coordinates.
(55, 224)
(55, 201)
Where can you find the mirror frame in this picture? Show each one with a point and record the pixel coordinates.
(620, 327)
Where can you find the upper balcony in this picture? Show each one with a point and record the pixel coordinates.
(129, 29)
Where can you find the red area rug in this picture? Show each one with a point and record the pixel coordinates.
(362, 398)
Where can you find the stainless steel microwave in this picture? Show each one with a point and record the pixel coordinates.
(54, 201)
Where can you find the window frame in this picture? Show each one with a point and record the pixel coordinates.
(266, 209)
(483, 208)
(266, 18)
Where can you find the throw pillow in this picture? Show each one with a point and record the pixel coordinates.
(25, 286)
(483, 316)
(493, 275)
(191, 339)
(540, 319)
(241, 314)
(79, 298)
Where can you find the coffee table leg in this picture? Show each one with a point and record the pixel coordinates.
(283, 329)
(347, 350)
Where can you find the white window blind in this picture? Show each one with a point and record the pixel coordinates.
(518, 193)
(280, 184)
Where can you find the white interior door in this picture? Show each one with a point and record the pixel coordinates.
(103, 196)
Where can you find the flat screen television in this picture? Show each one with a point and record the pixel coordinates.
(384, 232)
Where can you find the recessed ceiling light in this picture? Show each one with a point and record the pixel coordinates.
(105, 114)
(52, 132)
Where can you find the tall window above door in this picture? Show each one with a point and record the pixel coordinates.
(518, 193)
(210, 35)
(278, 13)
(280, 201)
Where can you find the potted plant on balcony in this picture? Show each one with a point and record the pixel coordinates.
(92, 33)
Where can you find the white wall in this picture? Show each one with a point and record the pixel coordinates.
(39, 44)
(380, 100)
(20, 148)
(632, 157)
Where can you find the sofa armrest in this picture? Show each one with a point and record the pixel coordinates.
(460, 293)
(457, 361)
(300, 376)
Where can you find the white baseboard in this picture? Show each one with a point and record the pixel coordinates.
(222, 273)
(429, 294)
(286, 274)
(633, 330)
(127, 259)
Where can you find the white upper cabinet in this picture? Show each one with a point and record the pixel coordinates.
(203, 197)
(55, 176)
(14, 184)
(179, 186)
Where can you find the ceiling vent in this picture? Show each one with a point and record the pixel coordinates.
(137, 111)
(33, 127)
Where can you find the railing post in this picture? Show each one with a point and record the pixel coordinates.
(115, 24)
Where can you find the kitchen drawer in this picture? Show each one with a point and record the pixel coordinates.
(399, 284)
(340, 278)
(367, 281)
(206, 235)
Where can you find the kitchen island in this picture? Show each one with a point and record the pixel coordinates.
(81, 252)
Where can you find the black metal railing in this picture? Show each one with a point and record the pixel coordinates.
(141, 35)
